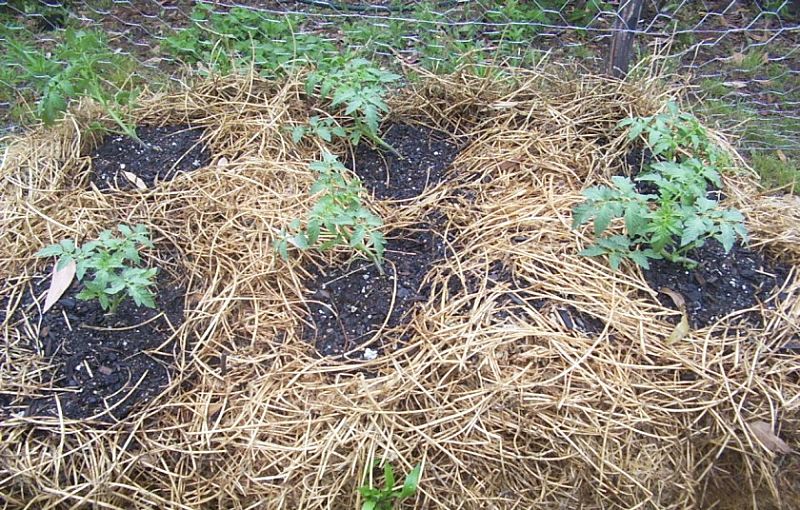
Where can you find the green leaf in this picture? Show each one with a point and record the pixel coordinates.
(411, 482)
(653, 138)
(727, 237)
(53, 250)
(614, 259)
(602, 220)
(640, 259)
(301, 241)
(388, 475)
(693, 229)
(593, 251)
(358, 238)
(297, 133)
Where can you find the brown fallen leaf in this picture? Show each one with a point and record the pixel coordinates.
(676, 298)
(781, 156)
(737, 58)
(680, 331)
(59, 283)
(763, 432)
(135, 180)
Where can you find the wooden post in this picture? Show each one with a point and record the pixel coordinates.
(619, 55)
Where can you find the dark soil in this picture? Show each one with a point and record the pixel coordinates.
(168, 151)
(104, 365)
(720, 285)
(426, 154)
(350, 303)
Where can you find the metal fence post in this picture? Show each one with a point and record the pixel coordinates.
(619, 55)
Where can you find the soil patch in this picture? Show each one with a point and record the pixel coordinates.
(124, 163)
(721, 284)
(426, 154)
(349, 304)
(104, 366)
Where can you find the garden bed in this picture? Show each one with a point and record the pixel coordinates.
(514, 371)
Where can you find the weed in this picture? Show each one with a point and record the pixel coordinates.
(234, 40)
(338, 218)
(385, 498)
(81, 65)
(679, 217)
(113, 263)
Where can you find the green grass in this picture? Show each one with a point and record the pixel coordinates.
(777, 170)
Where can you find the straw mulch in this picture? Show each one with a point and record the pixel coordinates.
(502, 405)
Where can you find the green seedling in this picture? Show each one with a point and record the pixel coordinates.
(673, 135)
(338, 217)
(357, 88)
(385, 498)
(676, 219)
(113, 263)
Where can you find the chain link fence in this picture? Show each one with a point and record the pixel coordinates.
(743, 56)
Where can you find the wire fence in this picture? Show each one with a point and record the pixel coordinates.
(743, 56)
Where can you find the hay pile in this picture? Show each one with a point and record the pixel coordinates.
(503, 405)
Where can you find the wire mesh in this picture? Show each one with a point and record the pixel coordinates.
(743, 56)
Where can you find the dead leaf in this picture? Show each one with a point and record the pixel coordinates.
(781, 156)
(676, 298)
(763, 432)
(135, 180)
(59, 283)
(680, 331)
(737, 58)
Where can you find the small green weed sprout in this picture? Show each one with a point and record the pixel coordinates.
(357, 86)
(338, 218)
(385, 498)
(112, 262)
(676, 219)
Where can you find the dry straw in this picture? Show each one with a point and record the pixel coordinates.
(504, 406)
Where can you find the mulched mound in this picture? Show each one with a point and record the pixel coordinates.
(164, 153)
(546, 380)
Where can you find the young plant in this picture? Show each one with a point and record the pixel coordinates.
(676, 219)
(667, 225)
(338, 218)
(385, 498)
(675, 135)
(113, 263)
(358, 87)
